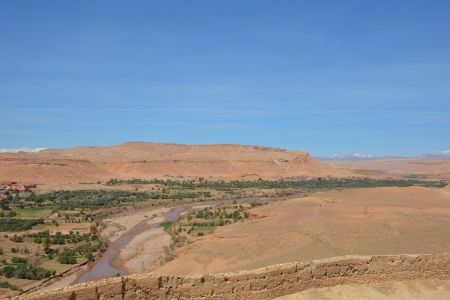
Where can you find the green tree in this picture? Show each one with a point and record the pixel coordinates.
(67, 257)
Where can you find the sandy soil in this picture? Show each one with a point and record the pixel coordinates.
(398, 290)
(143, 253)
(153, 160)
(117, 225)
(326, 224)
(63, 282)
(432, 168)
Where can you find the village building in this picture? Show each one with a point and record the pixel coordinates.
(13, 187)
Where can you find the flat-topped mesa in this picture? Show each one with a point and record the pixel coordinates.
(135, 151)
(156, 160)
(265, 283)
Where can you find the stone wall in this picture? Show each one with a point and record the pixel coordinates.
(263, 283)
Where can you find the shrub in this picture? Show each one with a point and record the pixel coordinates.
(67, 257)
(17, 239)
(24, 271)
(7, 285)
(18, 260)
(166, 225)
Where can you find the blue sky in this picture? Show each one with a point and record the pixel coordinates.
(323, 76)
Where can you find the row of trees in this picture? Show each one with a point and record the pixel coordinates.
(325, 182)
(13, 224)
(59, 239)
(26, 271)
(95, 199)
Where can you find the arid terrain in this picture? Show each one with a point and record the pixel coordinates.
(216, 150)
(322, 225)
(153, 160)
(413, 167)
(190, 210)
(392, 290)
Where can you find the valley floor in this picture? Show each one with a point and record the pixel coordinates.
(325, 224)
(364, 221)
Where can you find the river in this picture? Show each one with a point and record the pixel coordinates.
(106, 267)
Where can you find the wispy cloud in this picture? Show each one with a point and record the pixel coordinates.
(23, 149)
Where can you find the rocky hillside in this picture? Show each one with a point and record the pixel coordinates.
(156, 160)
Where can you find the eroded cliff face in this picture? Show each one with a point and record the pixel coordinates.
(265, 283)
(154, 160)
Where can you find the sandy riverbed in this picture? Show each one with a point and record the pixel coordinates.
(145, 251)
(118, 225)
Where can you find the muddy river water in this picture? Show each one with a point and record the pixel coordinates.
(106, 266)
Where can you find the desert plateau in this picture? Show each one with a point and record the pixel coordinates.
(164, 161)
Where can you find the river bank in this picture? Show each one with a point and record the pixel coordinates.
(135, 241)
(121, 228)
(127, 236)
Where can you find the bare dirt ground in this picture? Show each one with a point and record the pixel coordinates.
(145, 251)
(420, 167)
(397, 290)
(325, 224)
(118, 225)
(153, 160)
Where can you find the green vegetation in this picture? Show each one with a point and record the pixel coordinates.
(166, 225)
(32, 205)
(18, 260)
(25, 271)
(7, 285)
(12, 224)
(202, 222)
(309, 184)
(37, 205)
(16, 239)
(73, 219)
(33, 212)
(87, 199)
(67, 256)
(60, 239)
(8, 213)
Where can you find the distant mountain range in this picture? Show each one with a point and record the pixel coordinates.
(23, 149)
(364, 156)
